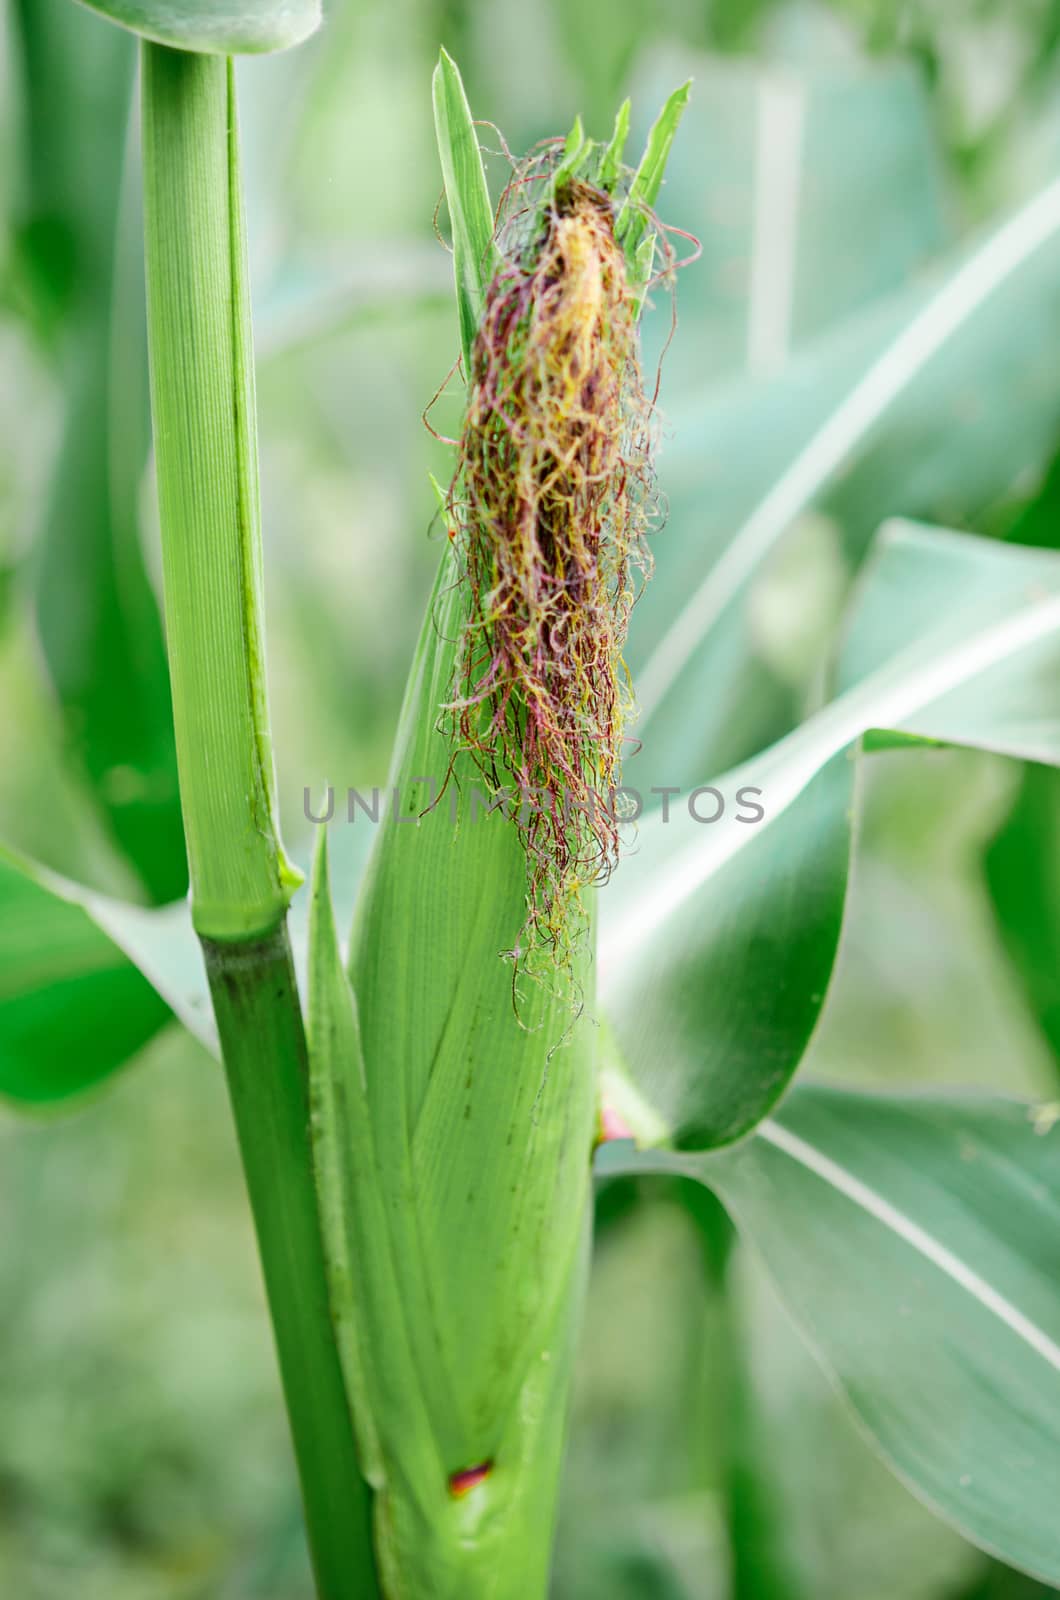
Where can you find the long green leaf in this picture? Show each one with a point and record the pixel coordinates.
(380, 1374)
(919, 1235)
(56, 929)
(1023, 872)
(867, 424)
(769, 170)
(471, 218)
(717, 940)
(632, 222)
(97, 616)
(73, 1007)
(611, 160)
(218, 27)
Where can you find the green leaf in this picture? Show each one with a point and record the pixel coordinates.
(148, 949)
(717, 940)
(97, 616)
(574, 149)
(73, 1007)
(611, 160)
(899, 608)
(74, 73)
(715, 1009)
(1022, 867)
(470, 214)
(218, 27)
(632, 223)
(367, 1313)
(576, 152)
(937, 399)
(87, 982)
(770, 168)
(353, 1228)
(902, 589)
(918, 1235)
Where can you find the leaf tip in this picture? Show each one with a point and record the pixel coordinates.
(318, 872)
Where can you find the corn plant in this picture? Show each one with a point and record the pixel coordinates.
(543, 983)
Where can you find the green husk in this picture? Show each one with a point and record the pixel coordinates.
(453, 1297)
(611, 163)
(470, 214)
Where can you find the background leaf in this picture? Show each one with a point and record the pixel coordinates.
(899, 411)
(1023, 870)
(73, 1008)
(921, 1234)
(718, 940)
(221, 27)
(87, 981)
(96, 613)
(814, 183)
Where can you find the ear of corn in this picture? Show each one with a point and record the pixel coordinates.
(454, 1090)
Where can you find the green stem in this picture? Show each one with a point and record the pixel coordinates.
(202, 395)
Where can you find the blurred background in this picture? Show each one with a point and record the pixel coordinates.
(839, 162)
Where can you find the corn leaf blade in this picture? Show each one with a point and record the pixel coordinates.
(467, 196)
(918, 1234)
(717, 943)
(97, 617)
(215, 27)
(73, 1006)
(612, 156)
(1022, 868)
(632, 220)
(862, 425)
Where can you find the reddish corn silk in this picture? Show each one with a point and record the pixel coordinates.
(550, 505)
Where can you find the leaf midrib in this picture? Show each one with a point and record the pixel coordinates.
(861, 1194)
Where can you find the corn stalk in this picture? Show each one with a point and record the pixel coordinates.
(202, 393)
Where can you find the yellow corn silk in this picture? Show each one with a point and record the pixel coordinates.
(453, 1075)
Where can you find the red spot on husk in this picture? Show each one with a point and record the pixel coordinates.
(461, 1483)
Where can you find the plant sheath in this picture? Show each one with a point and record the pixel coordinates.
(204, 421)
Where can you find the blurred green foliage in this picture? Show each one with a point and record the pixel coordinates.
(143, 1451)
